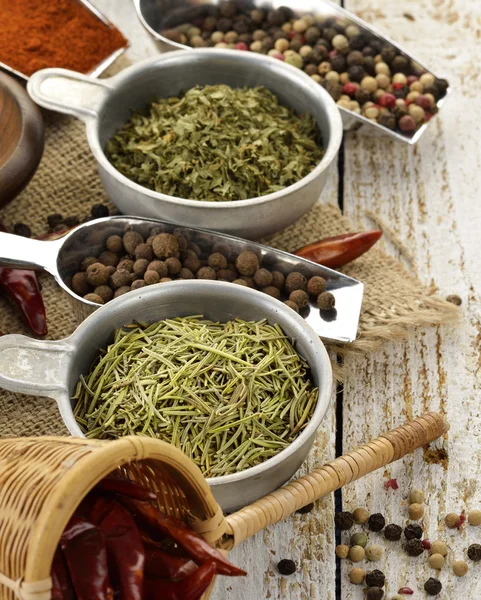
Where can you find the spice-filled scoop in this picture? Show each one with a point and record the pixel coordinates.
(109, 257)
(54, 368)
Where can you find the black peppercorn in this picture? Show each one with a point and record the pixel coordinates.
(355, 58)
(376, 522)
(228, 8)
(368, 51)
(442, 85)
(400, 111)
(55, 219)
(22, 229)
(278, 34)
(370, 65)
(376, 45)
(401, 93)
(413, 531)
(400, 64)
(357, 42)
(72, 221)
(388, 54)
(374, 593)
(325, 43)
(247, 39)
(276, 17)
(334, 89)
(286, 566)
(312, 35)
(432, 89)
(375, 578)
(329, 33)
(393, 532)
(474, 552)
(356, 73)
(338, 63)
(296, 44)
(344, 520)
(224, 24)
(98, 211)
(306, 509)
(243, 25)
(414, 547)
(318, 54)
(388, 121)
(433, 586)
(362, 96)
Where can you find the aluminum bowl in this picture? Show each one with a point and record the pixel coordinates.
(52, 369)
(105, 105)
(158, 15)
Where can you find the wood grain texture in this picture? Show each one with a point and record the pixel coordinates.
(428, 195)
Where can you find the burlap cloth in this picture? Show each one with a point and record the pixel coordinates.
(395, 302)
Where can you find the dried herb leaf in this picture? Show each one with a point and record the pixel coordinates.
(217, 143)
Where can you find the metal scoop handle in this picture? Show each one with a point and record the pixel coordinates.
(24, 253)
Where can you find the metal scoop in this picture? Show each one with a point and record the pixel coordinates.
(62, 258)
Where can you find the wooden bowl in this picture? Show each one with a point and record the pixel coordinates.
(22, 138)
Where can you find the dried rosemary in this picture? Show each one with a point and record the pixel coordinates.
(217, 143)
(230, 395)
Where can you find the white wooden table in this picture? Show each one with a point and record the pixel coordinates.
(431, 196)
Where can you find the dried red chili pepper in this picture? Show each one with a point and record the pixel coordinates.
(162, 564)
(86, 553)
(194, 544)
(126, 487)
(22, 286)
(334, 252)
(189, 588)
(391, 484)
(61, 584)
(125, 550)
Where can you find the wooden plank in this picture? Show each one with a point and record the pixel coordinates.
(307, 539)
(427, 194)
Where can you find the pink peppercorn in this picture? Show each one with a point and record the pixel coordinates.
(397, 86)
(350, 88)
(426, 544)
(333, 53)
(387, 100)
(405, 591)
(428, 116)
(407, 124)
(241, 46)
(279, 56)
(412, 79)
(423, 102)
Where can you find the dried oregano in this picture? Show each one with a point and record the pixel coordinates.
(217, 143)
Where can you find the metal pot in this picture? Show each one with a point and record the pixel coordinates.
(52, 368)
(105, 105)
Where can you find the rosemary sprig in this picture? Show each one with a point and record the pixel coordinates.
(229, 395)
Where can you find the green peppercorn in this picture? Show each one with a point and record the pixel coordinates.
(359, 539)
(388, 54)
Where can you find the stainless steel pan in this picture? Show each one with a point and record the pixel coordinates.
(62, 258)
(52, 369)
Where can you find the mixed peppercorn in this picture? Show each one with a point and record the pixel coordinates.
(362, 73)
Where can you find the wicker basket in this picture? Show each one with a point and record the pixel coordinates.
(42, 480)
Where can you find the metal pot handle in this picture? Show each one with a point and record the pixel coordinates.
(18, 252)
(68, 92)
(35, 367)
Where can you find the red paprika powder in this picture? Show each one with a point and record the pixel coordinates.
(35, 34)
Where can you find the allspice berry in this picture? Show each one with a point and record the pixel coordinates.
(94, 298)
(360, 515)
(120, 278)
(270, 290)
(416, 497)
(292, 305)
(247, 263)
(474, 518)
(451, 520)
(241, 282)
(114, 243)
(316, 285)
(357, 575)
(416, 511)
(326, 301)
(206, 273)
(173, 265)
(300, 298)
(165, 245)
(226, 275)
(97, 275)
(108, 259)
(140, 266)
(460, 568)
(374, 552)
(159, 267)
(125, 289)
(105, 292)
(438, 547)
(278, 280)
(436, 561)
(295, 281)
(186, 274)
(217, 261)
(144, 251)
(342, 551)
(80, 285)
(263, 278)
(131, 240)
(191, 262)
(151, 277)
(357, 553)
